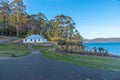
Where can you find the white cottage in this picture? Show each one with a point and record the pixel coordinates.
(35, 38)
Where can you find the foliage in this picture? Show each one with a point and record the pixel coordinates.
(15, 21)
(64, 28)
(70, 46)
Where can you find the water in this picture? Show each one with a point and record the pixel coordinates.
(111, 47)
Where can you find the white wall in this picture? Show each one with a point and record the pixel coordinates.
(28, 41)
(33, 40)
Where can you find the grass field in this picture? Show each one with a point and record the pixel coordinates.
(97, 62)
(14, 50)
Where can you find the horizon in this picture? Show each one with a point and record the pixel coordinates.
(93, 18)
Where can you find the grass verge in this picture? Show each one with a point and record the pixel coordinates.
(97, 62)
(14, 50)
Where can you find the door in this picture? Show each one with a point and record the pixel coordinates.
(35, 40)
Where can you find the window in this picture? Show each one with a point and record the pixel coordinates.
(38, 39)
(25, 39)
(30, 39)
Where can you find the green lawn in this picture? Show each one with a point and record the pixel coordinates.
(84, 60)
(16, 50)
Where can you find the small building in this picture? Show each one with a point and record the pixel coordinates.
(35, 38)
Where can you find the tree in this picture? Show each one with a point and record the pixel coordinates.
(38, 24)
(63, 29)
(42, 24)
(18, 10)
(63, 25)
(4, 15)
(101, 50)
(54, 31)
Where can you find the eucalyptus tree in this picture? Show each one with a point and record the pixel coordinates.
(18, 11)
(54, 36)
(4, 15)
(64, 28)
(38, 24)
(31, 24)
(62, 24)
(43, 25)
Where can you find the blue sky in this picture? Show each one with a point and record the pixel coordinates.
(94, 18)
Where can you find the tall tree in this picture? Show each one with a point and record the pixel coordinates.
(43, 24)
(38, 24)
(54, 31)
(4, 15)
(18, 10)
(64, 26)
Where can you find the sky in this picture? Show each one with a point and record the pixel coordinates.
(93, 18)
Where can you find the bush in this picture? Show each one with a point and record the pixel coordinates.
(13, 55)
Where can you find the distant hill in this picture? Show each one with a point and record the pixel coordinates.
(103, 40)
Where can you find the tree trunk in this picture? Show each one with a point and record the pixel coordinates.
(2, 33)
(17, 31)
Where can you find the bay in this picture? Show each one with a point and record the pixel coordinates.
(111, 47)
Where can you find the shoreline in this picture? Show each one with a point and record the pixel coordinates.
(111, 47)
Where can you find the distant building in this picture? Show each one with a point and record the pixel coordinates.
(35, 38)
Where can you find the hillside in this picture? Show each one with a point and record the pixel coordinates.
(103, 40)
